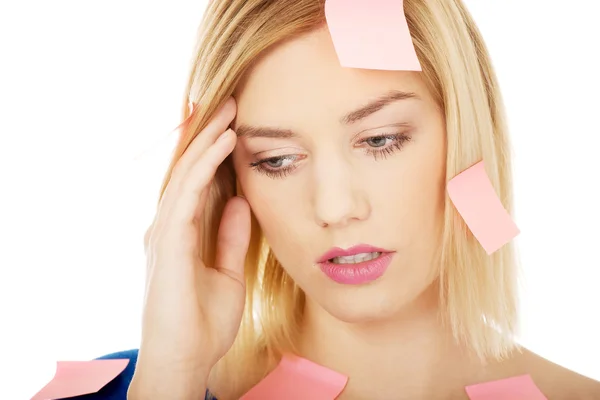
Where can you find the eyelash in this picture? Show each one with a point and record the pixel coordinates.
(399, 139)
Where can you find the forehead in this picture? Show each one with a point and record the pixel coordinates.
(302, 79)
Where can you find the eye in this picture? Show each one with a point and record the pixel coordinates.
(377, 141)
(276, 167)
(376, 146)
(277, 162)
(384, 145)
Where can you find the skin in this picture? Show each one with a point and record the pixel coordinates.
(337, 193)
(191, 313)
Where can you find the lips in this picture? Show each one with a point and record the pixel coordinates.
(339, 252)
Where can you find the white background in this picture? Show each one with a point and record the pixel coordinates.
(89, 92)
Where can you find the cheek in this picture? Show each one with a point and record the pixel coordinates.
(280, 210)
(279, 214)
(408, 194)
(428, 203)
(270, 203)
(271, 199)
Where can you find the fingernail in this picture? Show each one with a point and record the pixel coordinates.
(225, 135)
(229, 104)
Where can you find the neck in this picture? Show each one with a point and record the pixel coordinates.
(411, 355)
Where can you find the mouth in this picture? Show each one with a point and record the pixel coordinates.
(356, 258)
(353, 255)
(355, 266)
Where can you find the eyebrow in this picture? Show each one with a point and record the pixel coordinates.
(352, 117)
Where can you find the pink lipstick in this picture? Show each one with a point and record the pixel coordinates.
(354, 266)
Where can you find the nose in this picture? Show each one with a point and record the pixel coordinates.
(339, 195)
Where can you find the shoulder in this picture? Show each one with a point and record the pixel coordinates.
(555, 381)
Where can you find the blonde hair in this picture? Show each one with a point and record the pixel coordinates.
(477, 292)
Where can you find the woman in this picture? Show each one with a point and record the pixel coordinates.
(293, 173)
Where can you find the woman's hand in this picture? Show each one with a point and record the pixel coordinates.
(192, 313)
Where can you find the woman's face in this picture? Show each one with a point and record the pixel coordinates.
(335, 157)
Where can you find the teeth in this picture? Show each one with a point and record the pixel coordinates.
(357, 258)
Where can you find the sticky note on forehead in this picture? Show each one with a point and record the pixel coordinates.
(297, 378)
(476, 200)
(371, 34)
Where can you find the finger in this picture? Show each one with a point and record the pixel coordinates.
(233, 239)
(217, 125)
(185, 198)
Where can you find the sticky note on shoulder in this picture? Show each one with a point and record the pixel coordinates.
(371, 34)
(76, 378)
(296, 378)
(515, 388)
(476, 200)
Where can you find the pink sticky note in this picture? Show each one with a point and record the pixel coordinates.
(296, 378)
(75, 378)
(371, 34)
(475, 199)
(516, 388)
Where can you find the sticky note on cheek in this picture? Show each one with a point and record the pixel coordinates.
(516, 388)
(76, 378)
(296, 378)
(371, 34)
(475, 199)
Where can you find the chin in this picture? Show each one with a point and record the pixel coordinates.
(378, 302)
(357, 305)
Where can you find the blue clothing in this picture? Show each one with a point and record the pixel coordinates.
(117, 388)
